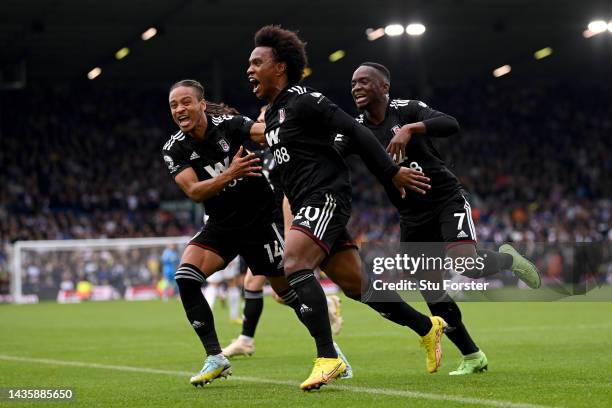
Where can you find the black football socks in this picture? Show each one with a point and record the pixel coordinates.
(253, 307)
(313, 308)
(189, 280)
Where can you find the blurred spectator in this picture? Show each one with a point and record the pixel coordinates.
(76, 164)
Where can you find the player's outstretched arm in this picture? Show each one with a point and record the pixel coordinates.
(258, 132)
(365, 144)
(200, 191)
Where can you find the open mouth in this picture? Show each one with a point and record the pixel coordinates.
(183, 120)
(255, 84)
(360, 99)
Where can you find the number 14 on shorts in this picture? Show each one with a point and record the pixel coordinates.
(276, 253)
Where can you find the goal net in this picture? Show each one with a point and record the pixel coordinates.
(93, 269)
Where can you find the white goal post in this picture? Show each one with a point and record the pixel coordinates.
(23, 252)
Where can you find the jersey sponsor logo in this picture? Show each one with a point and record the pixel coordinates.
(462, 234)
(194, 156)
(170, 164)
(281, 115)
(218, 169)
(272, 137)
(224, 145)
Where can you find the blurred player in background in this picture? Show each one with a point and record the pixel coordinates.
(169, 260)
(229, 276)
(244, 344)
(300, 124)
(407, 128)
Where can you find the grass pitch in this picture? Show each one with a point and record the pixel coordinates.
(142, 353)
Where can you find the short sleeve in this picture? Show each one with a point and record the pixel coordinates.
(438, 124)
(342, 144)
(175, 161)
(238, 128)
(416, 111)
(314, 105)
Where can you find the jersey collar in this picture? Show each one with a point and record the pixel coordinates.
(280, 98)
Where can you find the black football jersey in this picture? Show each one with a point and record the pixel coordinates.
(242, 202)
(302, 142)
(420, 153)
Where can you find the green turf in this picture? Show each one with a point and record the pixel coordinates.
(552, 354)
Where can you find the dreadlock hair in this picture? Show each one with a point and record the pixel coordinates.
(212, 108)
(380, 68)
(286, 47)
(220, 108)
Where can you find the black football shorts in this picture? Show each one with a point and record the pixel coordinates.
(450, 222)
(323, 217)
(261, 246)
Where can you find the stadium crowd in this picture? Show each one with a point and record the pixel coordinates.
(536, 171)
(88, 165)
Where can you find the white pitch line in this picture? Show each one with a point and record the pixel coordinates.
(508, 329)
(550, 328)
(363, 390)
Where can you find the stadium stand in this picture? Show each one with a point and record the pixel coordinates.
(71, 170)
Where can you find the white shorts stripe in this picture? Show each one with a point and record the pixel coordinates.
(327, 213)
(470, 221)
(322, 215)
(278, 235)
(331, 213)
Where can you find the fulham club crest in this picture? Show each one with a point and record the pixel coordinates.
(281, 115)
(224, 145)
